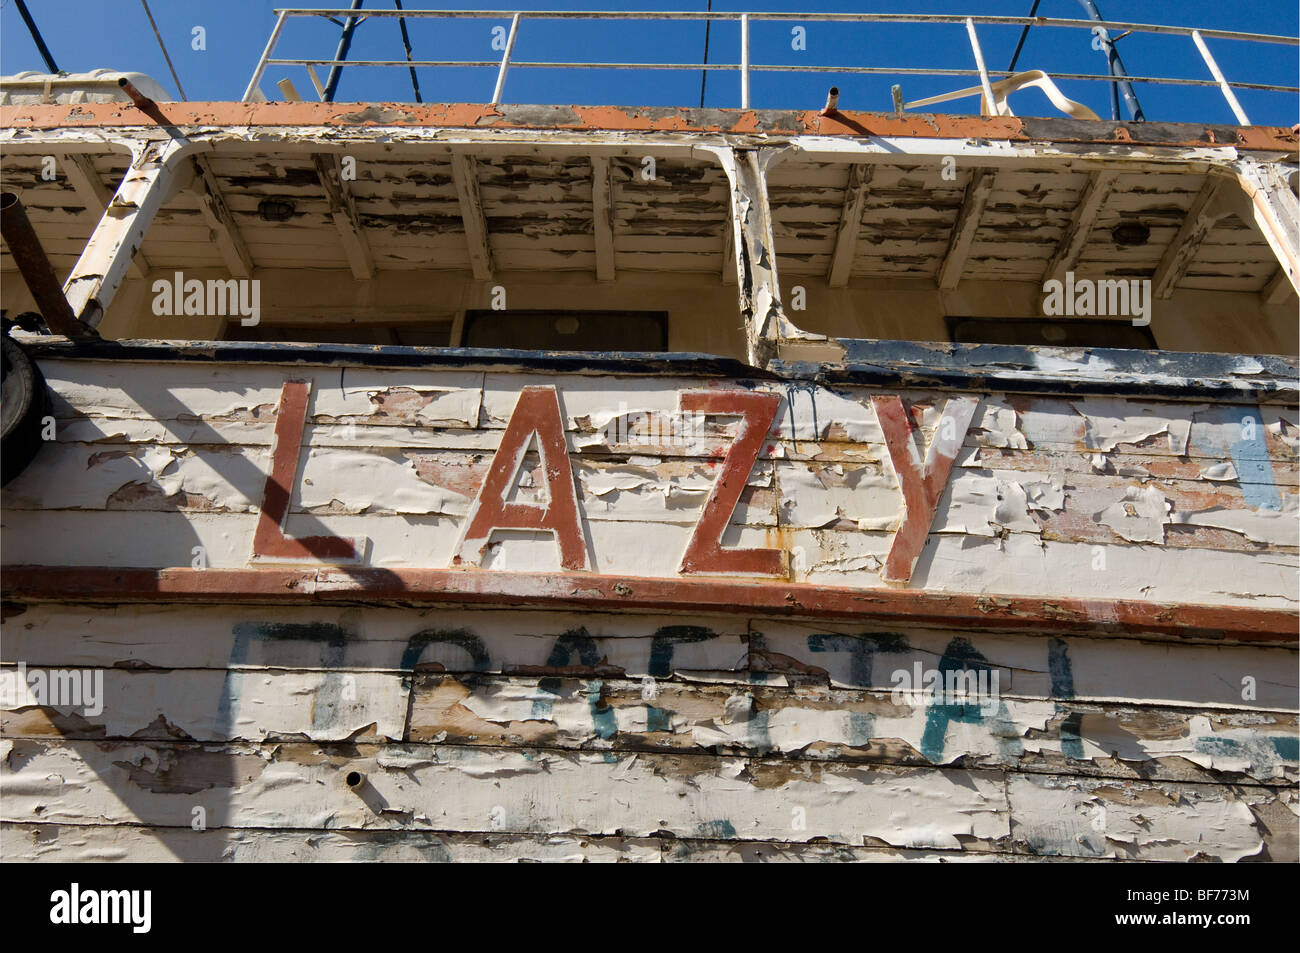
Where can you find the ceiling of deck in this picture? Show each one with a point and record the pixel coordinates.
(539, 210)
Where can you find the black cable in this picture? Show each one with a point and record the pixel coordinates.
(36, 36)
(704, 74)
(1023, 33)
(163, 47)
(406, 42)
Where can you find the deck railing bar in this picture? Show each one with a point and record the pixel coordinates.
(1218, 75)
(505, 60)
(841, 17)
(696, 67)
(270, 48)
(516, 16)
(744, 61)
(989, 101)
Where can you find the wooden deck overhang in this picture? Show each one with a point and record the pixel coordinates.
(941, 202)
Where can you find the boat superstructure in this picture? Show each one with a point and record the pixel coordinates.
(505, 481)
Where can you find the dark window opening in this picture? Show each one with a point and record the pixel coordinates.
(404, 335)
(1044, 332)
(568, 330)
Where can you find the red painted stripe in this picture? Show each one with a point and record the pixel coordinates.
(269, 539)
(606, 593)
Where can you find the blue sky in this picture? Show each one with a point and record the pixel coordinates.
(85, 34)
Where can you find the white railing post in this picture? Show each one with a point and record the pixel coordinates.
(744, 61)
(266, 55)
(979, 64)
(505, 60)
(1218, 75)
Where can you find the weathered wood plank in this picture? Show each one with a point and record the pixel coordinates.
(723, 649)
(803, 721)
(463, 789)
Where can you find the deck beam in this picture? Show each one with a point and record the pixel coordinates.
(217, 215)
(846, 238)
(1075, 239)
(602, 216)
(464, 171)
(343, 209)
(116, 240)
(978, 190)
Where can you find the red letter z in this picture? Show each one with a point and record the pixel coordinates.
(704, 553)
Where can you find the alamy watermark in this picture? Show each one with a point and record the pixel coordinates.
(215, 296)
(53, 688)
(654, 429)
(76, 906)
(1087, 298)
(953, 687)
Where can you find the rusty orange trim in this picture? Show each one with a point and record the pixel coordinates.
(650, 119)
(612, 593)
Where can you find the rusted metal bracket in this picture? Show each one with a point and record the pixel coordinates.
(34, 266)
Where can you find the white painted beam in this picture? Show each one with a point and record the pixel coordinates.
(602, 213)
(85, 181)
(225, 230)
(464, 171)
(729, 254)
(766, 324)
(1276, 210)
(1075, 238)
(343, 209)
(846, 239)
(1210, 205)
(978, 190)
(116, 240)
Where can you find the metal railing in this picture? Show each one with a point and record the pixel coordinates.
(745, 67)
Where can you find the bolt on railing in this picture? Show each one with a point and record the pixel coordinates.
(745, 67)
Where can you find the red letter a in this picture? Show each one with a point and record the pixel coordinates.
(536, 412)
